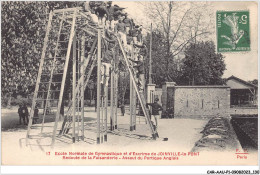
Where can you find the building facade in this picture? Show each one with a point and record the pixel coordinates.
(242, 93)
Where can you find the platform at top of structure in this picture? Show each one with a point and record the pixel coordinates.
(89, 26)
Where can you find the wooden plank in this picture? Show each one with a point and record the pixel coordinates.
(112, 100)
(82, 83)
(116, 97)
(131, 105)
(72, 10)
(98, 84)
(106, 104)
(90, 71)
(74, 89)
(134, 109)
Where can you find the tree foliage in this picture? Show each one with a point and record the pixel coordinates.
(23, 30)
(202, 65)
(22, 35)
(254, 82)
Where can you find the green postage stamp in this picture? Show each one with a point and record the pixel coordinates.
(233, 31)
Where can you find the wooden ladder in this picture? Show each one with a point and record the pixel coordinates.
(140, 94)
(53, 66)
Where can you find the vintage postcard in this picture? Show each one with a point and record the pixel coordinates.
(129, 83)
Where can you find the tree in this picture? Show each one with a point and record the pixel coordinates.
(159, 55)
(254, 82)
(176, 22)
(201, 65)
(23, 32)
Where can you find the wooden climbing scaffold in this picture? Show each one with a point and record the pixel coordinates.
(68, 33)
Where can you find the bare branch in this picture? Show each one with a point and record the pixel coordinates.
(181, 46)
(162, 19)
(179, 26)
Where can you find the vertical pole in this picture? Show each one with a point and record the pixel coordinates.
(82, 84)
(133, 97)
(98, 84)
(131, 105)
(116, 99)
(105, 120)
(78, 95)
(112, 101)
(134, 109)
(150, 59)
(102, 115)
(74, 89)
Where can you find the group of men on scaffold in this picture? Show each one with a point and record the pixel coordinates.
(115, 21)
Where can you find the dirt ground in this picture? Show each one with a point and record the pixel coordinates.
(182, 133)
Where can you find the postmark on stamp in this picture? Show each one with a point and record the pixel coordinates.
(233, 31)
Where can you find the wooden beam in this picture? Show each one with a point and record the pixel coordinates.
(106, 104)
(116, 97)
(98, 84)
(74, 90)
(112, 100)
(131, 104)
(67, 10)
(82, 85)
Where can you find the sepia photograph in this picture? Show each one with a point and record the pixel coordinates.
(138, 83)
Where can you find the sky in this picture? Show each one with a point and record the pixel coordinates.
(240, 64)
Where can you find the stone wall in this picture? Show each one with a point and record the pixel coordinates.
(201, 101)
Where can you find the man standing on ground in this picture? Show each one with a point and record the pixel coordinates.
(21, 115)
(155, 110)
(24, 112)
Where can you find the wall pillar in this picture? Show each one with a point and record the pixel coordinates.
(150, 91)
(164, 93)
